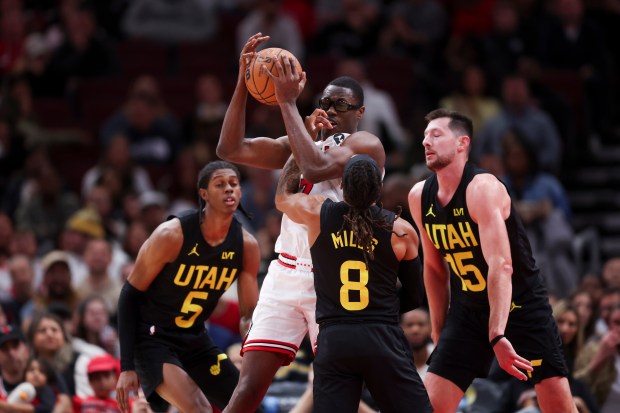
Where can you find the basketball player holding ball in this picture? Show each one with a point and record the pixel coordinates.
(322, 146)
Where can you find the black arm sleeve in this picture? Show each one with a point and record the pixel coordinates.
(128, 321)
(412, 288)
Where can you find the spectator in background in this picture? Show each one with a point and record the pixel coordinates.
(117, 156)
(414, 28)
(13, 358)
(609, 299)
(97, 257)
(598, 365)
(267, 17)
(154, 209)
(470, 99)
(611, 272)
(134, 237)
(82, 226)
(171, 21)
(571, 330)
(354, 33)
(85, 51)
(12, 39)
(21, 186)
(416, 325)
(541, 202)
(56, 285)
(381, 117)
(102, 373)
(586, 308)
(203, 125)
(504, 45)
(518, 112)
(50, 340)
(35, 66)
(571, 41)
(396, 187)
(92, 324)
(182, 189)
(22, 288)
(48, 209)
(153, 132)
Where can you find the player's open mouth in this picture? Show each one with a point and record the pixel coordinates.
(230, 201)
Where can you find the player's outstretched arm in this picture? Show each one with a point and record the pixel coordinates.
(299, 207)
(160, 248)
(436, 275)
(261, 152)
(489, 205)
(247, 284)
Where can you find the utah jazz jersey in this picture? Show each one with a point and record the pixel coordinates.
(186, 291)
(293, 239)
(455, 234)
(346, 288)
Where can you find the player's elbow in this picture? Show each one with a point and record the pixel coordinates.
(315, 174)
(223, 152)
(280, 202)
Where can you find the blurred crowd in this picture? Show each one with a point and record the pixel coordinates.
(109, 109)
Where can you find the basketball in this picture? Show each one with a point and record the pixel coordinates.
(259, 84)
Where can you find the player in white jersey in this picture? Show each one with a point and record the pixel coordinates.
(321, 146)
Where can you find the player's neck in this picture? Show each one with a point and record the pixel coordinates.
(214, 227)
(449, 179)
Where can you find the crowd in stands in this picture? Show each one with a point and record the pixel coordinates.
(108, 110)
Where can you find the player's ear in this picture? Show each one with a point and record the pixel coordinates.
(360, 112)
(203, 194)
(464, 142)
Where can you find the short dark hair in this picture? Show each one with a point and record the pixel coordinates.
(204, 176)
(351, 84)
(459, 123)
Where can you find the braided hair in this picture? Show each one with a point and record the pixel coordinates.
(204, 177)
(361, 185)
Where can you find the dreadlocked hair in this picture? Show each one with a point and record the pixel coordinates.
(361, 185)
(204, 176)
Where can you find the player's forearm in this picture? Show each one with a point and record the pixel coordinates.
(233, 128)
(308, 156)
(499, 284)
(438, 294)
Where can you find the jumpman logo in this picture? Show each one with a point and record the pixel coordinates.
(193, 251)
(513, 306)
(430, 212)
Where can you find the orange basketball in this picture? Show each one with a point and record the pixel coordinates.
(258, 83)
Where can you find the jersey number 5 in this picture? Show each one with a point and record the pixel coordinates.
(348, 285)
(465, 271)
(191, 308)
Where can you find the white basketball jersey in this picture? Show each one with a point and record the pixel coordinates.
(293, 239)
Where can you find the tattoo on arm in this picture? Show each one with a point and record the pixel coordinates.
(289, 180)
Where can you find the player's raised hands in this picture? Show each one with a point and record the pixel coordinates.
(249, 49)
(289, 82)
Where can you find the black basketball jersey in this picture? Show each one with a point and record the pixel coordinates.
(456, 236)
(185, 292)
(346, 289)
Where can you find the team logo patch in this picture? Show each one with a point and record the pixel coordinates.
(430, 212)
(193, 251)
(215, 369)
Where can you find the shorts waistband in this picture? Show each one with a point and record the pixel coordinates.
(290, 261)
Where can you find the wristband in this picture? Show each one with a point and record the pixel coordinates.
(496, 339)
